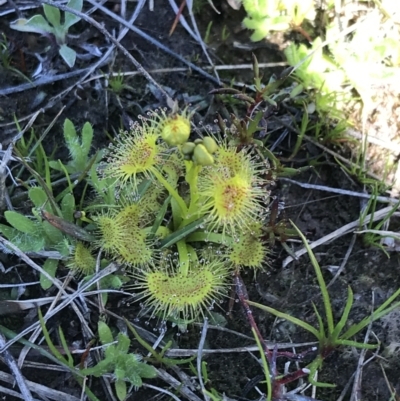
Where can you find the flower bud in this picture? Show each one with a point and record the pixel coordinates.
(175, 130)
(210, 144)
(201, 156)
(188, 148)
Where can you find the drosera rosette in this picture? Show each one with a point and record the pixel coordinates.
(172, 291)
(81, 260)
(249, 249)
(122, 233)
(109, 233)
(203, 192)
(136, 154)
(234, 189)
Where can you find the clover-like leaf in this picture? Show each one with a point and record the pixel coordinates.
(71, 19)
(50, 267)
(20, 222)
(52, 14)
(68, 207)
(105, 334)
(68, 55)
(36, 24)
(120, 389)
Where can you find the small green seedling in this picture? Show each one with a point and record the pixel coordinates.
(125, 366)
(65, 359)
(264, 16)
(6, 59)
(79, 148)
(375, 232)
(52, 25)
(37, 234)
(330, 335)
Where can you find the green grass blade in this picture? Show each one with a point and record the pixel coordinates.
(65, 347)
(321, 327)
(356, 344)
(285, 316)
(160, 215)
(50, 343)
(345, 316)
(265, 365)
(380, 312)
(321, 281)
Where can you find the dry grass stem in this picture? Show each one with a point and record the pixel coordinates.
(378, 215)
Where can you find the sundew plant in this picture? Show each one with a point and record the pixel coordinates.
(182, 215)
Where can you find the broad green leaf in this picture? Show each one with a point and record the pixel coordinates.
(36, 24)
(134, 378)
(30, 243)
(55, 165)
(24, 242)
(119, 373)
(68, 207)
(120, 389)
(123, 343)
(20, 222)
(69, 131)
(110, 353)
(104, 366)
(38, 196)
(9, 232)
(52, 14)
(68, 55)
(71, 19)
(54, 235)
(64, 247)
(105, 334)
(146, 371)
(50, 267)
(87, 137)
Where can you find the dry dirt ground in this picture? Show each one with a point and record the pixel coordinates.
(292, 289)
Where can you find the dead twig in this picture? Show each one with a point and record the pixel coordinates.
(153, 41)
(382, 199)
(380, 214)
(40, 390)
(10, 361)
(114, 40)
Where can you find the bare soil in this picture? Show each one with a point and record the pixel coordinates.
(372, 276)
